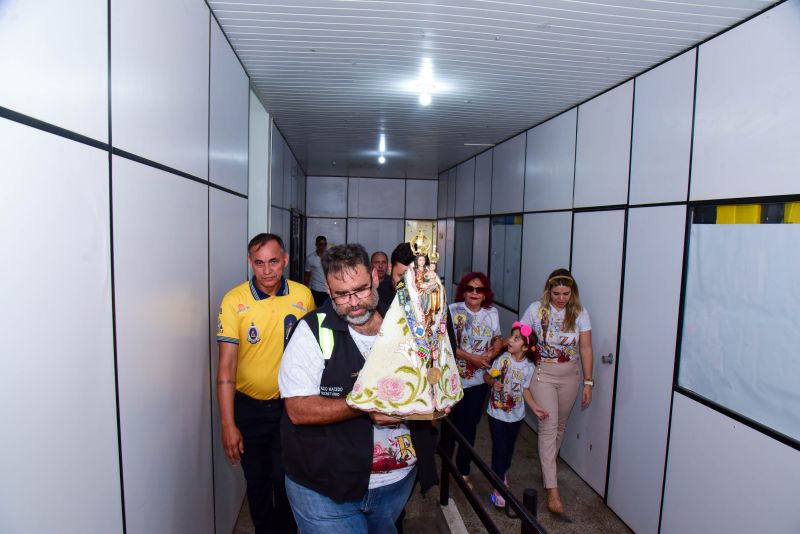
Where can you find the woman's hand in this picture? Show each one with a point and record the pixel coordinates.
(483, 361)
(586, 398)
(497, 385)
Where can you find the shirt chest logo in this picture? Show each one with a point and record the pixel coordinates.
(252, 334)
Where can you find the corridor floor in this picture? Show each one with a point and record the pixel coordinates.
(585, 512)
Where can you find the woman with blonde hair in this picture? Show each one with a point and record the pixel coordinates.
(565, 344)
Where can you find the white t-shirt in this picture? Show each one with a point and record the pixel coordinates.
(474, 331)
(314, 266)
(508, 404)
(555, 344)
(393, 455)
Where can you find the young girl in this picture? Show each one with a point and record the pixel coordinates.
(509, 379)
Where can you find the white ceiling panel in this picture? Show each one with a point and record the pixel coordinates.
(335, 74)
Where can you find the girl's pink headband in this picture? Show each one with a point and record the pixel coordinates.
(524, 329)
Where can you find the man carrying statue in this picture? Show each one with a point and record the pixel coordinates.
(352, 468)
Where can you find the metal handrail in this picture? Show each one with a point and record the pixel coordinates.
(526, 510)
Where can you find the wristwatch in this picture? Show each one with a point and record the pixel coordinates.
(588, 382)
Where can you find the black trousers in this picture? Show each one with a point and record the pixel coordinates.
(504, 437)
(259, 422)
(465, 416)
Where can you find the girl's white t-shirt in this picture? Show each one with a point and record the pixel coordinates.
(508, 404)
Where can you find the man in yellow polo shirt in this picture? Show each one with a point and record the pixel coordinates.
(255, 320)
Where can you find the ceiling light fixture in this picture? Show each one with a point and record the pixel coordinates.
(425, 84)
(382, 149)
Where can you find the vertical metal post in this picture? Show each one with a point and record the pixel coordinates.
(447, 448)
(529, 501)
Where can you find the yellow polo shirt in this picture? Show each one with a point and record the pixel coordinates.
(260, 325)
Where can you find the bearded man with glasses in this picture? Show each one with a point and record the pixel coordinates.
(346, 469)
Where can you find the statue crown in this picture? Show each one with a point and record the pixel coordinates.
(421, 244)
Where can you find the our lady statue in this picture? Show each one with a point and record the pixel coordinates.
(411, 371)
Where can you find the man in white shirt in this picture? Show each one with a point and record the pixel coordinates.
(346, 470)
(314, 277)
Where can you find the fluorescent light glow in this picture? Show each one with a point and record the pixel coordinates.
(382, 149)
(425, 99)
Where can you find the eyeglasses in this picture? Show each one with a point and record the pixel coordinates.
(359, 294)
(473, 289)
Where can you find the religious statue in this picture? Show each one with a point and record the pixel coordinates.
(411, 371)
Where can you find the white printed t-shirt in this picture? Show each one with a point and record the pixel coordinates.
(555, 345)
(474, 331)
(393, 454)
(508, 404)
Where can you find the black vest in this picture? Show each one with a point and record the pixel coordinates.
(335, 460)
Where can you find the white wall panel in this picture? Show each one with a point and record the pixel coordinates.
(376, 197)
(421, 199)
(276, 223)
(465, 188)
(452, 183)
(227, 268)
(723, 476)
(546, 240)
(290, 173)
(480, 245)
(507, 318)
(57, 402)
(65, 84)
(508, 175)
(258, 163)
(334, 230)
(449, 249)
(748, 116)
(161, 274)
(654, 259)
(159, 82)
(597, 242)
(603, 148)
(441, 198)
(228, 132)
(326, 196)
(483, 182)
(276, 157)
(662, 132)
(550, 163)
(376, 234)
(300, 197)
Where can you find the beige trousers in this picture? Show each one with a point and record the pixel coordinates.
(554, 387)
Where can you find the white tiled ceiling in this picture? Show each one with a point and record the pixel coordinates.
(332, 72)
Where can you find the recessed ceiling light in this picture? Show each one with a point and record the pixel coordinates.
(478, 144)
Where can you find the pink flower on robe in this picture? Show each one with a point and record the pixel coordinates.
(390, 388)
